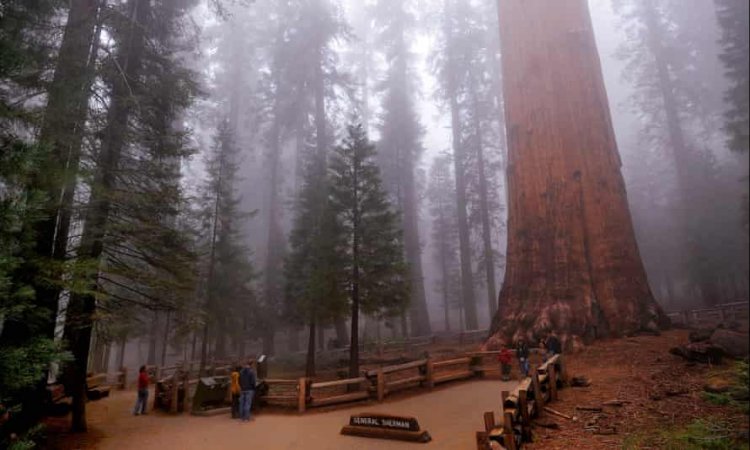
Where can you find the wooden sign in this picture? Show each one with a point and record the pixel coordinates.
(383, 426)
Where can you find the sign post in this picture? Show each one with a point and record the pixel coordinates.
(382, 426)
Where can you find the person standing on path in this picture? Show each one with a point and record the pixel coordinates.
(552, 345)
(235, 392)
(142, 400)
(505, 358)
(522, 353)
(247, 391)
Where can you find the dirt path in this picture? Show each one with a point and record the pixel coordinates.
(451, 414)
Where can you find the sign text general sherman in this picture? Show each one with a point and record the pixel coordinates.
(384, 421)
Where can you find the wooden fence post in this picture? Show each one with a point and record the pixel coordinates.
(537, 392)
(302, 395)
(509, 437)
(552, 378)
(175, 395)
(489, 421)
(124, 384)
(429, 373)
(380, 381)
(525, 419)
(483, 441)
(186, 392)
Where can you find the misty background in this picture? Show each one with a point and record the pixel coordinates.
(648, 170)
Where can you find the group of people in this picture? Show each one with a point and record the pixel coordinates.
(551, 344)
(242, 387)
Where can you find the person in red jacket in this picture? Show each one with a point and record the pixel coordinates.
(505, 358)
(142, 400)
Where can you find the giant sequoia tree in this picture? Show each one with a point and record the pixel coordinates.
(400, 145)
(573, 262)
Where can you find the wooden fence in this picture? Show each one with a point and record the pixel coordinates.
(728, 312)
(522, 405)
(374, 384)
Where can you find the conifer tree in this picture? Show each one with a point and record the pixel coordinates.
(228, 273)
(313, 269)
(375, 275)
(400, 146)
(441, 194)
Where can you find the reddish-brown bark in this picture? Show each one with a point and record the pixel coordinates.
(573, 262)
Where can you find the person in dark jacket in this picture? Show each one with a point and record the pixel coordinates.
(552, 345)
(247, 391)
(522, 353)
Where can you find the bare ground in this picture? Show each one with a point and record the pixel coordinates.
(659, 391)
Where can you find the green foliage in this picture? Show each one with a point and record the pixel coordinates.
(24, 357)
(23, 366)
(230, 302)
(313, 268)
(708, 434)
(371, 238)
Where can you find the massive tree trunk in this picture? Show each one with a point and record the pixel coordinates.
(82, 307)
(573, 262)
(62, 131)
(418, 314)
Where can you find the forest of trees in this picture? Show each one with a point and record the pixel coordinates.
(228, 177)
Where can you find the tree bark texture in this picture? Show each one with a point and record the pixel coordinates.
(573, 261)
(61, 131)
(82, 307)
(310, 363)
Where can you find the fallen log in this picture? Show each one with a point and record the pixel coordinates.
(614, 403)
(589, 408)
(559, 414)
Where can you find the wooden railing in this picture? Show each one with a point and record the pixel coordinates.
(728, 312)
(522, 405)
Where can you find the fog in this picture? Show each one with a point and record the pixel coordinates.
(655, 218)
(211, 203)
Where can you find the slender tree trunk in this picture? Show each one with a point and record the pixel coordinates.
(310, 364)
(418, 314)
(484, 206)
(193, 346)
(121, 353)
(82, 307)
(681, 152)
(354, 345)
(573, 262)
(275, 236)
(467, 277)
(165, 340)
(152, 338)
(444, 271)
(211, 312)
(62, 130)
(342, 334)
